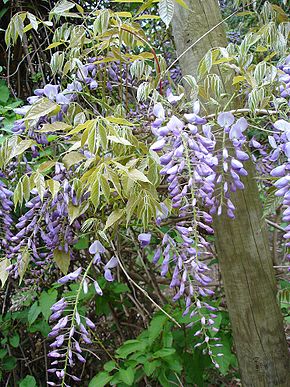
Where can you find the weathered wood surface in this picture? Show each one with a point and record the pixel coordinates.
(242, 244)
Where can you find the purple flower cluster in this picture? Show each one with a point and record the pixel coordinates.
(113, 73)
(46, 226)
(62, 98)
(97, 249)
(70, 334)
(190, 164)
(231, 159)
(284, 79)
(281, 150)
(6, 207)
(214, 173)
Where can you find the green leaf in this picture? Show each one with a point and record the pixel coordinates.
(166, 11)
(40, 326)
(56, 62)
(100, 380)
(42, 108)
(101, 22)
(164, 352)
(3, 272)
(83, 243)
(62, 259)
(14, 340)
(9, 363)
(4, 93)
(33, 312)
(156, 327)
(109, 366)
(28, 381)
(46, 300)
(3, 353)
(127, 376)
(130, 346)
(151, 366)
(113, 218)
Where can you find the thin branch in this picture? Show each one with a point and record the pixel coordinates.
(245, 110)
(139, 287)
(275, 225)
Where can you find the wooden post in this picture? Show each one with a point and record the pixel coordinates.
(242, 244)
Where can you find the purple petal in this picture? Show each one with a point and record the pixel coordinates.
(113, 262)
(158, 111)
(50, 91)
(144, 239)
(282, 125)
(108, 275)
(97, 247)
(225, 119)
(158, 145)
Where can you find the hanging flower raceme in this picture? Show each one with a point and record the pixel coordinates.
(71, 330)
(6, 222)
(281, 148)
(189, 163)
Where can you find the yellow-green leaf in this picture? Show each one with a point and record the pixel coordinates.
(113, 218)
(23, 264)
(39, 184)
(182, 3)
(75, 211)
(53, 45)
(42, 108)
(53, 186)
(146, 17)
(26, 187)
(55, 127)
(105, 187)
(238, 79)
(3, 272)
(95, 193)
(119, 121)
(137, 175)
(119, 140)
(62, 259)
(21, 147)
(123, 14)
(46, 166)
(72, 158)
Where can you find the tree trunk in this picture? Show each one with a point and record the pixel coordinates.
(242, 244)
